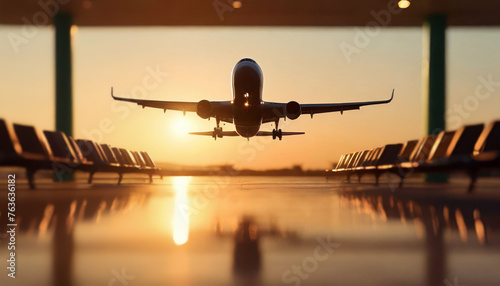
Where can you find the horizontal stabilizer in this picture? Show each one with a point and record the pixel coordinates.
(234, 134)
(269, 133)
(211, 133)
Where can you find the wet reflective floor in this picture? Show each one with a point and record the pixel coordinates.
(254, 231)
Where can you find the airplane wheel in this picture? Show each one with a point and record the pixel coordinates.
(274, 134)
(280, 134)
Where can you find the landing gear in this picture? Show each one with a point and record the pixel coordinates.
(217, 133)
(217, 130)
(277, 132)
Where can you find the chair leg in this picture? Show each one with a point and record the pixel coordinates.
(91, 177)
(120, 177)
(30, 174)
(150, 178)
(473, 178)
(401, 181)
(377, 176)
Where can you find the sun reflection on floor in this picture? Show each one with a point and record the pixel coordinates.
(181, 215)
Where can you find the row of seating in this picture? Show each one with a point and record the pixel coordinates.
(470, 149)
(25, 146)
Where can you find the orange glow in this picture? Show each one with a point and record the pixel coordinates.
(46, 219)
(403, 4)
(462, 228)
(180, 127)
(480, 232)
(237, 4)
(247, 104)
(181, 215)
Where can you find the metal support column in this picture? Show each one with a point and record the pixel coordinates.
(434, 78)
(64, 90)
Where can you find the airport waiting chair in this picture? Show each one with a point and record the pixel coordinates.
(109, 153)
(450, 152)
(349, 167)
(369, 164)
(344, 160)
(133, 163)
(140, 161)
(420, 153)
(123, 164)
(457, 150)
(145, 166)
(23, 146)
(56, 146)
(93, 153)
(345, 167)
(388, 158)
(340, 162)
(358, 165)
(405, 155)
(64, 154)
(441, 145)
(35, 150)
(149, 161)
(129, 158)
(486, 153)
(407, 150)
(336, 166)
(429, 148)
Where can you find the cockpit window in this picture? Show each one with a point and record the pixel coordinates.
(247, 60)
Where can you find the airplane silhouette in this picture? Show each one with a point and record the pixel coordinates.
(247, 111)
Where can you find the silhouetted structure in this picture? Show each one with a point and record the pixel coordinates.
(470, 149)
(25, 146)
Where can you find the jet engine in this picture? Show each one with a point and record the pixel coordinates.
(293, 110)
(204, 109)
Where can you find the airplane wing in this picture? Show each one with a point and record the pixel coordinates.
(273, 110)
(211, 133)
(221, 109)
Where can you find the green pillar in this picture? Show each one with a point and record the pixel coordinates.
(64, 100)
(434, 78)
(64, 89)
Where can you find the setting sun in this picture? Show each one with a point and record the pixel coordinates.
(180, 126)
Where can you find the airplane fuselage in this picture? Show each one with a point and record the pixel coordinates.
(247, 97)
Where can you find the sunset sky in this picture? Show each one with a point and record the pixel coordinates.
(302, 64)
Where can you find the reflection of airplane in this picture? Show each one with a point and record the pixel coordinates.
(247, 110)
